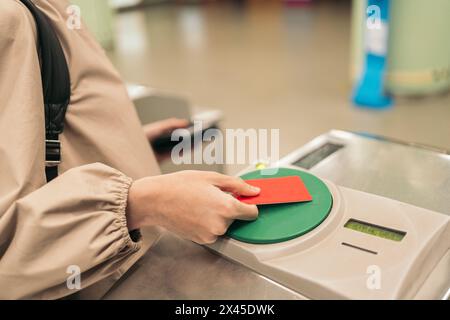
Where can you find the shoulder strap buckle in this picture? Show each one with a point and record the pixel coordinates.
(52, 153)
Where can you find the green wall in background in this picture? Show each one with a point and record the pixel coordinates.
(99, 18)
(419, 46)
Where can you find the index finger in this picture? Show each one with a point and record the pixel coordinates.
(235, 185)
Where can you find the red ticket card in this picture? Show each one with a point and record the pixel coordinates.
(278, 190)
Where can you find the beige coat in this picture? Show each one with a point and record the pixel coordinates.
(78, 218)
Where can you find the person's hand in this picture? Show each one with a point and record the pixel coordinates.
(196, 205)
(156, 129)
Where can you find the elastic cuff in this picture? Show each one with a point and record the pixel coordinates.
(129, 243)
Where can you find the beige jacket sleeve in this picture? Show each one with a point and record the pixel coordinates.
(77, 220)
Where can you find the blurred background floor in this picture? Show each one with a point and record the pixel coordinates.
(267, 66)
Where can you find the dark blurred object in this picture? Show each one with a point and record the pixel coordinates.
(297, 2)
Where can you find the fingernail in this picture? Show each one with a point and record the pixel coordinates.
(256, 189)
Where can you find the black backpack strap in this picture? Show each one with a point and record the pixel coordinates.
(56, 87)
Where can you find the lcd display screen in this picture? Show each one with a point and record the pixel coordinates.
(317, 155)
(374, 230)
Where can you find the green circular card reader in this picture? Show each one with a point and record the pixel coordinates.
(282, 222)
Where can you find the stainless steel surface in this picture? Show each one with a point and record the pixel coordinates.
(153, 105)
(177, 269)
(399, 171)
